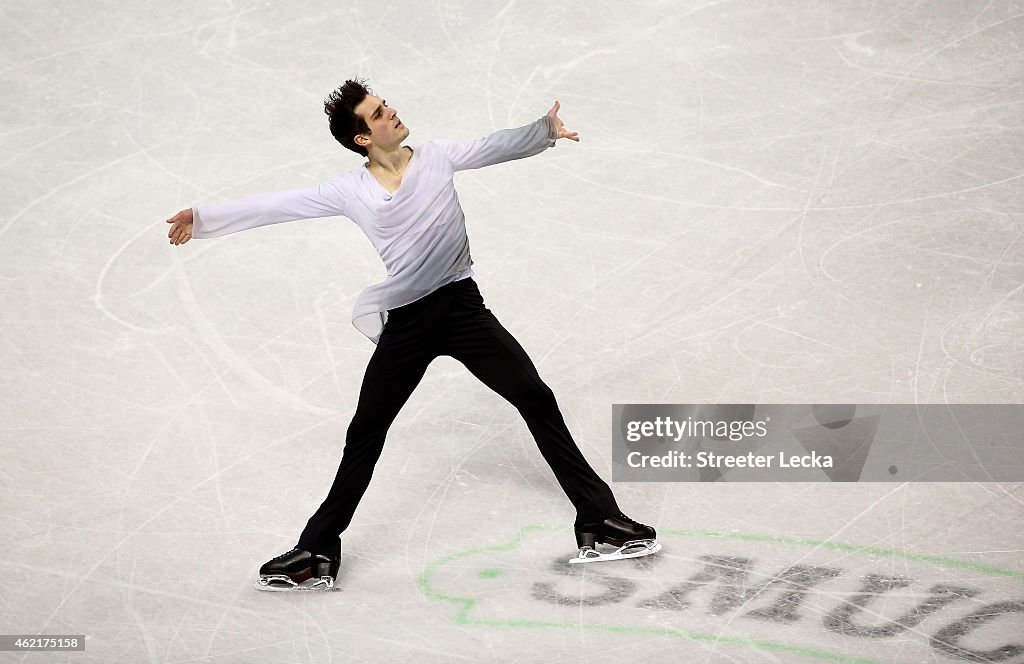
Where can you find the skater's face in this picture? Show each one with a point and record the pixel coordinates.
(386, 129)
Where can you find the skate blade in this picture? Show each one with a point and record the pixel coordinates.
(636, 549)
(282, 584)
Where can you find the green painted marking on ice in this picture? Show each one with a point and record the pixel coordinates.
(467, 603)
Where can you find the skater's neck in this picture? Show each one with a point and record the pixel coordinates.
(391, 162)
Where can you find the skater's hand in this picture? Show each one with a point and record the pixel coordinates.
(562, 133)
(181, 231)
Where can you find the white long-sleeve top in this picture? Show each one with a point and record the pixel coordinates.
(419, 230)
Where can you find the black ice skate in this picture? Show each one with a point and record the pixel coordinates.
(633, 539)
(299, 570)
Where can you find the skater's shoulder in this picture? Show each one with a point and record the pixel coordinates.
(427, 149)
(347, 180)
(439, 151)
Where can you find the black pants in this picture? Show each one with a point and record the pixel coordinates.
(450, 321)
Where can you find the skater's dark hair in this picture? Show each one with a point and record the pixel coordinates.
(340, 107)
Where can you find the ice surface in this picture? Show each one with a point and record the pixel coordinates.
(771, 203)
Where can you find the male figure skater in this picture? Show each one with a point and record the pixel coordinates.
(404, 200)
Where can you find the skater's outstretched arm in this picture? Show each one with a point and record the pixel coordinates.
(216, 219)
(508, 144)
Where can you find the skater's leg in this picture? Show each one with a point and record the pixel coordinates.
(394, 370)
(491, 353)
